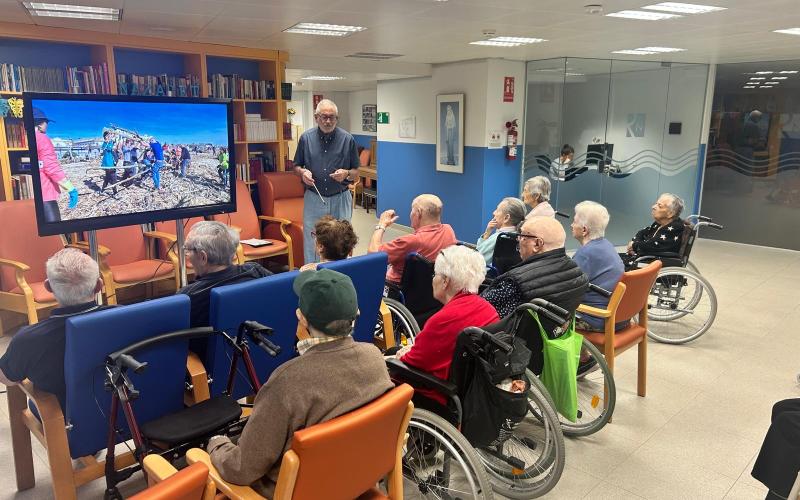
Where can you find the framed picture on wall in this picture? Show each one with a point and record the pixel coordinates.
(450, 133)
(369, 117)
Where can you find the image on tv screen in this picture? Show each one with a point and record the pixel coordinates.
(105, 158)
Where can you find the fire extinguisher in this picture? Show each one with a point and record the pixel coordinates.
(511, 140)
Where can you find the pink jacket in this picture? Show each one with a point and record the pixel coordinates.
(50, 171)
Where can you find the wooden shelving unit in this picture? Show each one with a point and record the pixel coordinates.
(173, 57)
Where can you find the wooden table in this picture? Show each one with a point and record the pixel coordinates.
(368, 172)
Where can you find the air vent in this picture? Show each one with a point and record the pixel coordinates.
(376, 56)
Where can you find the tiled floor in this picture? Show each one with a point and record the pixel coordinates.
(697, 432)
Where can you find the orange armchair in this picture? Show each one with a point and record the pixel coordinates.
(367, 444)
(281, 195)
(23, 254)
(168, 483)
(627, 303)
(248, 222)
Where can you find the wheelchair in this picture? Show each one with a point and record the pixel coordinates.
(522, 455)
(171, 435)
(682, 305)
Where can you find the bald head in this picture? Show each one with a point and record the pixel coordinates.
(548, 229)
(427, 208)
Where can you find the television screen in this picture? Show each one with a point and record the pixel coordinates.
(110, 161)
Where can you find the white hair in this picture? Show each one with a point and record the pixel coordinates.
(594, 217)
(675, 204)
(465, 267)
(217, 240)
(539, 185)
(326, 103)
(514, 208)
(72, 276)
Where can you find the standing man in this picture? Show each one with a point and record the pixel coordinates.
(158, 162)
(327, 161)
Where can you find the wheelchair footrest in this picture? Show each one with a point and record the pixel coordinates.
(193, 422)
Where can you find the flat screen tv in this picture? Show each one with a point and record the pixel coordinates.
(109, 161)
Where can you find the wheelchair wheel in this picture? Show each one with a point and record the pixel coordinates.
(681, 307)
(439, 462)
(690, 266)
(597, 396)
(531, 460)
(404, 325)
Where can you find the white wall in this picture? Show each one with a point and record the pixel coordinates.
(497, 111)
(403, 98)
(357, 99)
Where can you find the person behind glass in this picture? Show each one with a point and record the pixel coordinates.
(778, 461)
(51, 176)
(558, 168)
(332, 375)
(335, 240)
(327, 162)
(36, 352)
(597, 258)
(458, 272)
(665, 235)
(210, 248)
(508, 214)
(536, 194)
(108, 163)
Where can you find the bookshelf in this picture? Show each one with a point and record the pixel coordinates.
(42, 46)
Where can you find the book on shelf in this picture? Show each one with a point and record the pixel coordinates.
(261, 162)
(22, 186)
(70, 79)
(158, 85)
(236, 87)
(287, 131)
(16, 137)
(243, 172)
(259, 129)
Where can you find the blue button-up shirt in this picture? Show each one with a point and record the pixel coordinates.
(323, 154)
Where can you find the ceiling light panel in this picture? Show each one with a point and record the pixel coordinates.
(758, 77)
(764, 72)
(789, 31)
(765, 87)
(780, 77)
(683, 8)
(324, 29)
(643, 15)
(492, 43)
(323, 78)
(517, 39)
(72, 11)
(749, 87)
(788, 72)
(74, 15)
(634, 52)
(663, 50)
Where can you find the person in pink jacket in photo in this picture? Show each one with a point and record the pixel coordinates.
(52, 176)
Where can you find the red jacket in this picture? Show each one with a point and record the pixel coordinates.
(434, 345)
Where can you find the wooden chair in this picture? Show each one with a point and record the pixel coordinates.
(627, 303)
(168, 483)
(126, 259)
(280, 195)
(341, 458)
(248, 223)
(23, 254)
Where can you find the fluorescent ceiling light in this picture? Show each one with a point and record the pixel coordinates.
(643, 15)
(788, 72)
(72, 11)
(516, 39)
(323, 78)
(491, 43)
(780, 77)
(660, 49)
(749, 87)
(683, 8)
(765, 87)
(758, 78)
(634, 52)
(764, 72)
(788, 31)
(773, 83)
(323, 29)
(575, 74)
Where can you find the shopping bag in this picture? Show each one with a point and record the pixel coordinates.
(560, 370)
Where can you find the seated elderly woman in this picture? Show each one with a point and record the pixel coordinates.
(335, 240)
(458, 271)
(665, 235)
(536, 194)
(598, 260)
(509, 212)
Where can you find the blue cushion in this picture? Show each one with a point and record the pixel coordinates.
(91, 337)
(368, 273)
(270, 301)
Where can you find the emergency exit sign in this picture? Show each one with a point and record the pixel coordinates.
(383, 117)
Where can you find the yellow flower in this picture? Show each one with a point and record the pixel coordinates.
(15, 104)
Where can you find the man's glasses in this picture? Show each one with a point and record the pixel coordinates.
(520, 236)
(328, 118)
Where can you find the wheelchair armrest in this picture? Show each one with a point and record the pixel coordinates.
(420, 379)
(665, 255)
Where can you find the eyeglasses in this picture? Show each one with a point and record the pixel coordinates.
(328, 118)
(313, 234)
(520, 236)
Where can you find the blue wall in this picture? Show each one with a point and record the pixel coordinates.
(363, 140)
(245, 68)
(44, 54)
(406, 170)
(147, 62)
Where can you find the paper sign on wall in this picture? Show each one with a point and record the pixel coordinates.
(495, 139)
(508, 89)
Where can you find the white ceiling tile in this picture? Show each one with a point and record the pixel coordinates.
(195, 7)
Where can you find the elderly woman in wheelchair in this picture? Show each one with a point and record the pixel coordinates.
(664, 235)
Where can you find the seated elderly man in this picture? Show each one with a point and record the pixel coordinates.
(458, 272)
(597, 258)
(545, 272)
(428, 238)
(536, 194)
(37, 351)
(665, 235)
(332, 376)
(508, 214)
(211, 247)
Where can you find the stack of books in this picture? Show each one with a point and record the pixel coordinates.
(158, 85)
(259, 129)
(22, 186)
(260, 162)
(16, 137)
(70, 79)
(236, 87)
